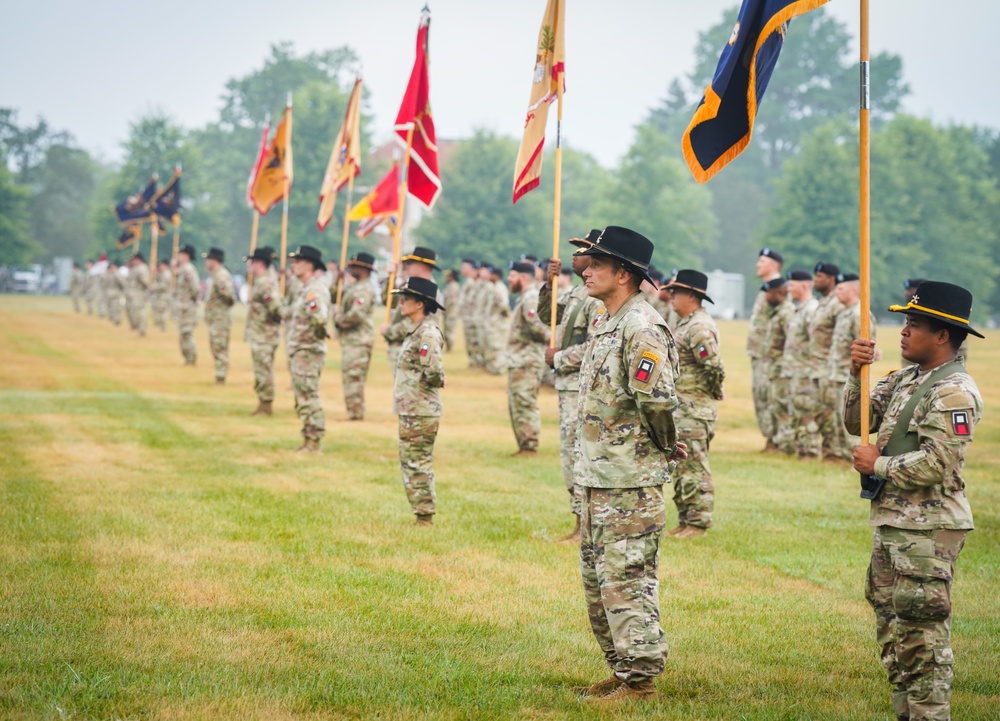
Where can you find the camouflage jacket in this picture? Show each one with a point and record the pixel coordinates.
(77, 282)
(699, 382)
(420, 372)
(924, 488)
(627, 401)
(759, 315)
(452, 299)
(795, 360)
(354, 319)
(494, 304)
(292, 288)
(221, 297)
(846, 329)
(188, 288)
(310, 312)
(138, 280)
(821, 335)
(776, 333)
(113, 285)
(264, 312)
(161, 285)
(466, 296)
(571, 341)
(528, 334)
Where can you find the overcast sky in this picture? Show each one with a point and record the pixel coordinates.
(93, 67)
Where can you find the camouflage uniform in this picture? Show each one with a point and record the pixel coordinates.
(577, 315)
(795, 383)
(481, 295)
(88, 292)
(264, 332)
(816, 433)
(467, 298)
(186, 293)
(625, 440)
(357, 337)
(846, 329)
(306, 343)
(760, 314)
(77, 285)
(525, 363)
(775, 389)
(452, 292)
(494, 317)
(135, 296)
(221, 297)
(97, 286)
(160, 299)
(113, 289)
(417, 400)
(921, 519)
(699, 389)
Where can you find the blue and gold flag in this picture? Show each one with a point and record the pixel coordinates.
(167, 202)
(723, 123)
(136, 208)
(130, 235)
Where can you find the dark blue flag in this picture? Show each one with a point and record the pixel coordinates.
(136, 207)
(167, 203)
(723, 123)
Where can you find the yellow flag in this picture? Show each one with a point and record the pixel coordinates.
(275, 175)
(549, 68)
(345, 159)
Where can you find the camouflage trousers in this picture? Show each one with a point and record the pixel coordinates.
(91, 300)
(781, 418)
(450, 330)
(187, 319)
(262, 355)
(416, 461)
(161, 308)
(775, 393)
(569, 422)
(306, 367)
(694, 493)
(76, 301)
(806, 400)
(758, 385)
(493, 347)
(522, 401)
(218, 340)
(620, 532)
(841, 443)
(101, 301)
(115, 309)
(137, 315)
(909, 587)
(471, 335)
(355, 360)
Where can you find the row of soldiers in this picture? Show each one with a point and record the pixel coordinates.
(108, 289)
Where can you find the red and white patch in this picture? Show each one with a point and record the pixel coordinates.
(960, 423)
(702, 352)
(361, 301)
(531, 314)
(424, 349)
(644, 371)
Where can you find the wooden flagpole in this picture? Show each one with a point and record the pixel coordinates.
(284, 209)
(155, 232)
(253, 247)
(557, 206)
(343, 242)
(397, 234)
(865, 227)
(173, 256)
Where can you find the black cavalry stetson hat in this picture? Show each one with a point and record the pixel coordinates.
(421, 288)
(945, 302)
(421, 255)
(586, 242)
(188, 250)
(265, 253)
(215, 254)
(362, 260)
(692, 280)
(307, 252)
(633, 249)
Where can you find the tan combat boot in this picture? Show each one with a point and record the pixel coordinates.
(643, 690)
(525, 453)
(691, 532)
(263, 409)
(600, 688)
(310, 445)
(675, 531)
(424, 519)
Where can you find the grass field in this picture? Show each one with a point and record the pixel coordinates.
(165, 556)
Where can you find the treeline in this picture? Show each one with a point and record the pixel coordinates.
(935, 197)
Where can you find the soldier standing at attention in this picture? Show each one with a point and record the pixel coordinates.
(160, 295)
(775, 334)
(494, 319)
(847, 328)
(466, 298)
(416, 395)
(450, 296)
(525, 358)
(817, 433)
(137, 293)
(625, 444)
(218, 315)
(421, 263)
(113, 289)
(77, 285)
(769, 263)
(186, 293)
(699, 390)
(925, 416)
(357, 332)
(88, 286)
(263, 326)
(795, 385)
(306, 341)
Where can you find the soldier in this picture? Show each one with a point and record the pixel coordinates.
(136, 293)
(625, 442)
(776, 297)
(88, 286)
(113, 287)
(816, 434)
(494, 320)
(910, 286)
(417, 395)
(450, 297)
(794, 385)
(470, 274)
(186, 292)
(218, 315)
(421, 263)
(98, 273)
(699, 390)
(925, 416)
(577, 314)
(769, 264)
(525, 358)
(264, 314)
(77, 286)
(306, 340)
(846, 329)
(160, 295)
(354, 322)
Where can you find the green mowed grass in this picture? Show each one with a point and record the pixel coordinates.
(164, 555)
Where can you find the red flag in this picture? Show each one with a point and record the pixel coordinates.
(383, 200)
(255, 170)
(423, 180)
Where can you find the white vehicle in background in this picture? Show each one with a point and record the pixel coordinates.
(28, 280)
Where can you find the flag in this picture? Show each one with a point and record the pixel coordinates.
(382, 201)
(550, 68)
(259, 163)
(166, 203)
(275, 173)
(366, 226)
(423, 180)
(723, 123)
(135, 208)
(345, 159)
(130, 235)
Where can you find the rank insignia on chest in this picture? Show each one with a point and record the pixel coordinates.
(702, 352)
(424, 348)
(644, 371)
(960, 423)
